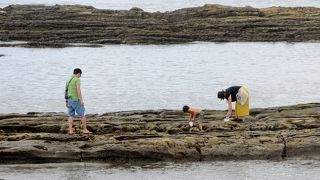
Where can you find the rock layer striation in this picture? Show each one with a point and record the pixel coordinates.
(60, 25)
(162, 135)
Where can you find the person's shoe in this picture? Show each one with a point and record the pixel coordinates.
(226, 119)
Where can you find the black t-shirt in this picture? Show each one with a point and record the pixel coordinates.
(233, 90)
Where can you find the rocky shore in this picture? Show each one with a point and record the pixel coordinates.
(162, 135)
(63, 25)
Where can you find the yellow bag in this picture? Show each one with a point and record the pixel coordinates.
(242, 104)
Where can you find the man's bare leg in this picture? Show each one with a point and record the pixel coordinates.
(70, 123)
(84, 125)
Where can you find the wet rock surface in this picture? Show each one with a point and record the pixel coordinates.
(162, 135)
(60, 25)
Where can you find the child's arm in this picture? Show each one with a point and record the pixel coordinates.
(193, 116)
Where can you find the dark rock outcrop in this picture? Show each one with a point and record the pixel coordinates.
(156, 135)
(56, 26)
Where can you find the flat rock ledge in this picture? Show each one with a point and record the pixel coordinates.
(162, 135)
(62, 25)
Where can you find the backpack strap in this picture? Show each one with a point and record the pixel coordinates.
(67, 87)
(66, 90)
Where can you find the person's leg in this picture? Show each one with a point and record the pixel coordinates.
(200, 119)
(84, 125)
(80, 110)
(71, 113)
(70, 123)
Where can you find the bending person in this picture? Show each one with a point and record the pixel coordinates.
(195, 113)
(240, 94)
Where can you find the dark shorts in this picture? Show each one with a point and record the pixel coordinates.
(76, 107)
(200, 116)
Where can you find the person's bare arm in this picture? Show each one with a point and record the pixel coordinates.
(193, 117)
(79, 94)
(229, 107)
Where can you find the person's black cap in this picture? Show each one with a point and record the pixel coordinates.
(221, 94)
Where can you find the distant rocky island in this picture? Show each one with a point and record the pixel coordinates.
(64, 25)
(162, 135)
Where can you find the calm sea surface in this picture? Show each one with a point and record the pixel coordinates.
(124, 77)
(238, 170)
(165, 5)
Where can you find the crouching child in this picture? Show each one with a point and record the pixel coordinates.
(195, 113)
